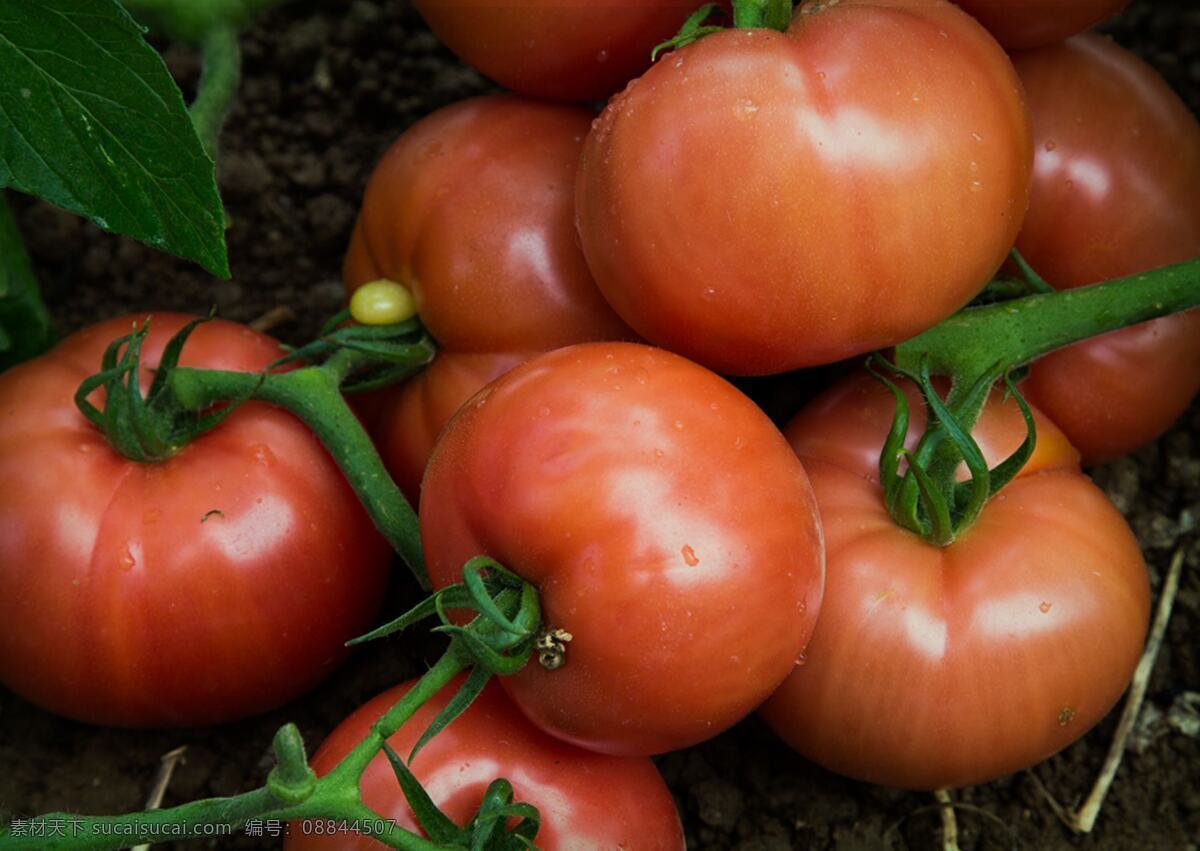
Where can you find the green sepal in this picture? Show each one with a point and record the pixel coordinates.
(471, 688)
(456, 595)
(941, 526)
(436, 824)
(1006, 470)
(481, 594)
(693, 29)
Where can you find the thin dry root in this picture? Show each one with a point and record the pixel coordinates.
(165, 769)
(273, 318)
(949, 821)
(1084, 819)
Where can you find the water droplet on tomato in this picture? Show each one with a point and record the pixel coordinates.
(263, 454)
(820, 75)
(1070, 184)
(802, 659)
(602, 56)
(1050, 145)
(976, 186)
(709, 292)
(977, 137)
(689, 556)
(658, 453)
(745, 108)
(85, 447)
(125, 560)
(1045, 607)
(678, 425)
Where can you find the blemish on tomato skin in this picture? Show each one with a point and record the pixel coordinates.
(689, 556)
(1065, 715)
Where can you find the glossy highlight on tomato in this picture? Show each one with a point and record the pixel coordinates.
(576, 50)
(1116, 191)
(762, 201)
(473, 210)
(666, 523)
(213, 585)
(940, 667)
(585, 799)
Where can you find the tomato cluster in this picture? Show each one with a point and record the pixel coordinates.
(760, 200)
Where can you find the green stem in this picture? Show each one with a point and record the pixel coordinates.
(352, 767)
(219, 78)
(313, 395)
(992, 339)
(192, 20)
(25, 326)
(756, 14)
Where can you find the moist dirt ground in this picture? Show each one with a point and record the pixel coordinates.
(328, 86)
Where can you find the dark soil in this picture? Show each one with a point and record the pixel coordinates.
(328, 87)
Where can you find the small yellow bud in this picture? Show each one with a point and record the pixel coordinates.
(382, 302)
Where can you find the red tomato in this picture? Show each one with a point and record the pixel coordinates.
(561, 49)
(761, 201)
(666, 524)
(586, 800)
(216, 584)
(412, 416)
(1116, 190)
(472, 209)
(1024, 24)
(934, 667)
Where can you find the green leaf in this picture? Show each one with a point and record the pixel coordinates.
(25, 327)
(90, 120)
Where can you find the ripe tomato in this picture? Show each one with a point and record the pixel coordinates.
(1025, 24)
(216, 584)
(762, 201)
(472, 209)
(576, 50)
(1116, 190)
(934, 667)
(411, 417)
(666, 523)
(586, 800)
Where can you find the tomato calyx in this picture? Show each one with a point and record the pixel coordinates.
(499, 641)
(185, 402)
(367, 356)
(747, 14)
(927, 498)
(152, 427)
(978, 347)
